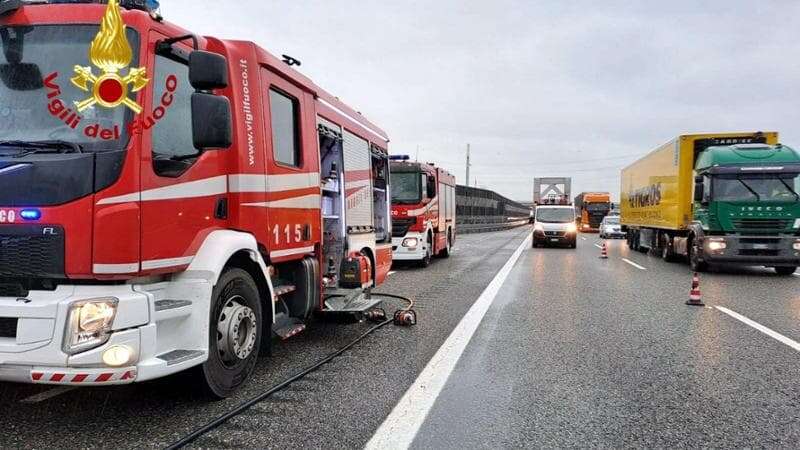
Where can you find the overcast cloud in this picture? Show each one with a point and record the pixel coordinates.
(539, 88)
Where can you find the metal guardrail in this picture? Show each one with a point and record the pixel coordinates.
(488, 227)
(481, 210)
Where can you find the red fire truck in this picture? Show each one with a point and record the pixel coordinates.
(423, 211)
(170, 201)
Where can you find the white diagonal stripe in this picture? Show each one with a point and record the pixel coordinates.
(115, 268)
(169, 262)
(304, 202)
(192, 189)
(291, 251)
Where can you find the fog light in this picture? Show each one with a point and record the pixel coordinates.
(410, 242)
(117, 356)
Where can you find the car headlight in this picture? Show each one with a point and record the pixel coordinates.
(89, 324)
(572, 228)
(538, 227)
(796, 244)
(410, 242)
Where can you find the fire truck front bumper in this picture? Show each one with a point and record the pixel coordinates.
(411, 247)
(78, 335)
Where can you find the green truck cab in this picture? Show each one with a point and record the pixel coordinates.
(747, 204)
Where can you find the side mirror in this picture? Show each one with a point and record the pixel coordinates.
(699, 189)
(211, 121)
(21, 76)
(207, 71)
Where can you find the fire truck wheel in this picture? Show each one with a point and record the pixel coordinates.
(234, 334)
(449, 247)
(426, 261)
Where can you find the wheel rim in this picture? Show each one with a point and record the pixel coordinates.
(236, 331)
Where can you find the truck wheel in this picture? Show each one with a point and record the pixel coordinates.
(426, 261)
(695, 263)
(785, 270)
(449, 247)
(234, 334)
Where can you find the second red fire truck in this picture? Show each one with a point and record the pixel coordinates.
(170, 201)
(423, 211)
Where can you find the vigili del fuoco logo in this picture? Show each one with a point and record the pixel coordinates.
(111, 53)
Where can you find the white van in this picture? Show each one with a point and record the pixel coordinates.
(555, 225)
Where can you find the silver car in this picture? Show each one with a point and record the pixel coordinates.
(610, 228)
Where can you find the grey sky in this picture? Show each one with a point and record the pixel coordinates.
(539, 88)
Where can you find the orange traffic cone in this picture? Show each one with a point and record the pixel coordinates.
(695, 298)
(604, 251)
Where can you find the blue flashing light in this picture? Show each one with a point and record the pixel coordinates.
(399, 157)
(31, 214)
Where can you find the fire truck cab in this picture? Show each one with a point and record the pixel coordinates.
(423, 211)
(170, 201)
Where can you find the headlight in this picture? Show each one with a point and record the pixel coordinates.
(796, 245)
(538, 227)
(572, 228)
(89, 324)
(410, 242)
(716, 244)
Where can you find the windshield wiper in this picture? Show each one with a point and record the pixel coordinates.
(31, 147)
(796, 196)
(758, 197)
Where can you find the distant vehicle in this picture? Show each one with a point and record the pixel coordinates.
(591, 208)
(613, 213)
(552, 191)
(611, 228)
(717, 198)
(555, 225)
(423, 211)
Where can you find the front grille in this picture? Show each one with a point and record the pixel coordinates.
(761, 224)
(8, 327)
(400, 226)
(760, 240)
(758, 252)
(12, 290)
(31, 251)
(554, 233)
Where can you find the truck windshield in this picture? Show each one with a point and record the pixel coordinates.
(761, 187)
(406, 187)
(598, 207)
(37, 58)
(555, 215)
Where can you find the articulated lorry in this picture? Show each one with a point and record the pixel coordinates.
(730, 198)
(423, 211)
(591, 208)
(170, 201)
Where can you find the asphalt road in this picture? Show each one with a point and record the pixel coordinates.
(340, 406)
(576, 351)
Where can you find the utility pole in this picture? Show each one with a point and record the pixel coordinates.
(417, 157)
(468, 164)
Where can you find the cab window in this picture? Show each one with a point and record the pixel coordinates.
(172, 134)
(285, 131)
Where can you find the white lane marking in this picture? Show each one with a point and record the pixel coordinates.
(634, 264)
(773, 334)
(796, 274)
(48, 394)
(583, 238)
(403, 423)
(598, 245)
(391, 272)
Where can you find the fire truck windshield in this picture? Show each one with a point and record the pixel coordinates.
(406, 187)
(38, 102)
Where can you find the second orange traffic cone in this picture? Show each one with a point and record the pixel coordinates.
(695, 297)
(604, 251)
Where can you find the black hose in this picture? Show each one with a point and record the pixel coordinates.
(217, 422)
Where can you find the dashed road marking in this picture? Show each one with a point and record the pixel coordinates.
(403, 423)
(634, 264)
(598, 245)
(583, 238)
(48, 394)
(771, 333)
(796, 274)
(391, 272)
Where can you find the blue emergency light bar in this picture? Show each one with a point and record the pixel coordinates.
(399, 157)
(144, 5)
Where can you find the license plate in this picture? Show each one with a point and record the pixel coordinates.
(553, 240)
(760, 246)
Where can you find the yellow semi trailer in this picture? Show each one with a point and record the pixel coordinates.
(716, 198)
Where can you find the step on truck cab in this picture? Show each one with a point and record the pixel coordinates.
(423, 211)
(170, 201)
(727, 198)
